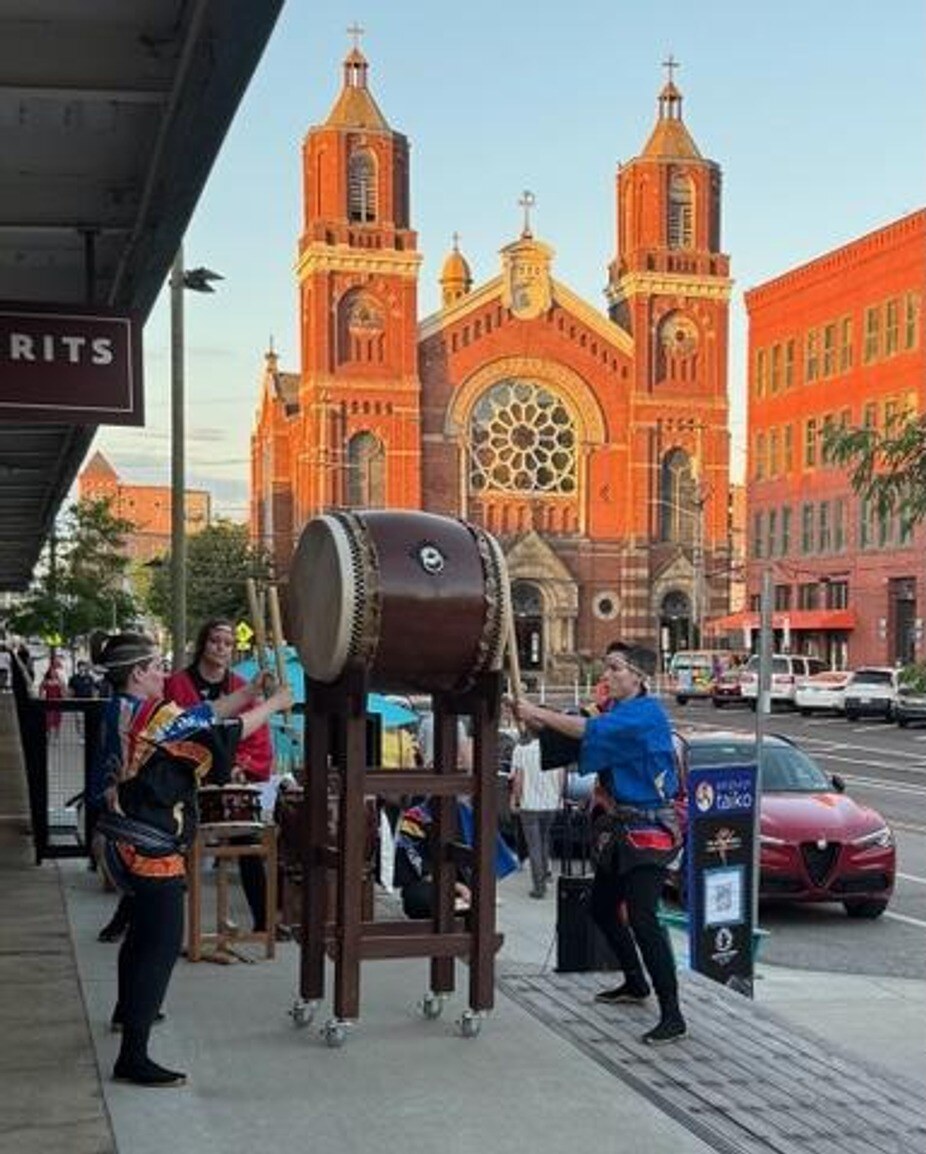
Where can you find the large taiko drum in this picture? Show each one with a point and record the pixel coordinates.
(417, 600)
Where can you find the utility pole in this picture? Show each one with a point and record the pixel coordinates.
(199, 280)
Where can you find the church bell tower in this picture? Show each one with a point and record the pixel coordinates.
(358, 278)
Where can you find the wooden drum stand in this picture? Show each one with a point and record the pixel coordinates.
(221, 842)
(343, 932)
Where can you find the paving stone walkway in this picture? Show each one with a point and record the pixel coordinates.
(744, 1081)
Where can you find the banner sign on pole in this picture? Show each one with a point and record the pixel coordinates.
(719, 856)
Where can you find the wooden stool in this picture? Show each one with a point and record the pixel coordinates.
(217, 841)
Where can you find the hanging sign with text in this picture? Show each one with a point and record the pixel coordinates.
(70, 365)
(719, 854)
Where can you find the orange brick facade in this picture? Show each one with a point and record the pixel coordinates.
(146, 506)
(594, 445)
(836, 340)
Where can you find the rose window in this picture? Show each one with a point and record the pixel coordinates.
(522, 440)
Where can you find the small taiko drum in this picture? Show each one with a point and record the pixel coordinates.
(417, 600)
(229, 804)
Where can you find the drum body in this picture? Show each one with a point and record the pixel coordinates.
(417, 600)
(226, 804)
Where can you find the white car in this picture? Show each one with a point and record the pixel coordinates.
(788, 670)
(822, 692)
(872, 692)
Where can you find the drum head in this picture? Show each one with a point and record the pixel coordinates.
(322, 601)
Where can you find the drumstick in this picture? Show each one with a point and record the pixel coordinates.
(257, 616)
(276, 630)
(514, 662)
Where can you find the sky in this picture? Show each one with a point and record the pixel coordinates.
(815, 110)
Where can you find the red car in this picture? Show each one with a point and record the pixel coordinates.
(817, 844)
(728, 689)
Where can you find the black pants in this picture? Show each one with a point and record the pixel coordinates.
(149, 950)
(640, 890)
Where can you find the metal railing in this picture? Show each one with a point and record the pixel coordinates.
(59, 740)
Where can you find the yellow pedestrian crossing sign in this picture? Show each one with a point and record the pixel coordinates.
(243, 634)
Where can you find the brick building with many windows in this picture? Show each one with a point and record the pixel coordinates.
(146, 506)
(835, 341)
(594, 444)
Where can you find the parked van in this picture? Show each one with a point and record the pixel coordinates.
(693, 672)
(788, 670)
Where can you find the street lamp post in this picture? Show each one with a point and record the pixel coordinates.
(198, 280)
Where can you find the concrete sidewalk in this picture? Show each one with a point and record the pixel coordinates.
(550, 1070)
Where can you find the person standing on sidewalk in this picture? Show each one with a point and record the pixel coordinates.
(208, 677)
(150, 820)
(536, 796)
(636, 835)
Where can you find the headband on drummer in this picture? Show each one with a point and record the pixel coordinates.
(636, 658)
(115, 651)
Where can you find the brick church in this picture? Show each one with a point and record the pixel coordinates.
(594, 444)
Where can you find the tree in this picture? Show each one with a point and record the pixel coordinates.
(887, 468)
(82, 580)
(220, 558)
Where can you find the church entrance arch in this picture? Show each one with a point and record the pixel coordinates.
(675, 624)
(527, 604)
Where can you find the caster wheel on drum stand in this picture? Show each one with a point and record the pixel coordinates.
(470, 1023)
(432, 1005)
(335, 1033)
(302, 1012)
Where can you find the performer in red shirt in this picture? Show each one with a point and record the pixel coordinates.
(208, 677)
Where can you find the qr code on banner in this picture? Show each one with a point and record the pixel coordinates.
(724, 896)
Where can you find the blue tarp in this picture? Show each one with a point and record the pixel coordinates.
(287, 735)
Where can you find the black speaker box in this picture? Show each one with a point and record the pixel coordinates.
(580, 945)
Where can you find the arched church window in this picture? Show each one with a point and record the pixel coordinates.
(361, 329)
(678, 499)
(523, 440)
(681, 211)
(677, 348)
(361, 187)
(366, 472)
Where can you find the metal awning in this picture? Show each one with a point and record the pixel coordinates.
(797, 620)
(112, 113)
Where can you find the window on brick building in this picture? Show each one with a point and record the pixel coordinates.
(523, 440)
(865, 523)
(772, 532)
(366, 472)
(759, 458)
(870, 415)
(807, 519)
(785, 530)
(872, 334)
(760, 371)
(775, 374)
(758, 524)
(782, 598)
(361, 187)
(839, 525)
(681, 211)
(774, 459)
(789, 363)
(810, 443)
(891, 327)
(808, 595)
(829, 350)
(837, 595)
(811, 356)
(911, 321)
(824, 532)
(789, 448)
(845, 344)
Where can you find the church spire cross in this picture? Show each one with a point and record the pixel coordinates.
(527, 202)
(356, 32)
(456, 242)
(670, 65)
